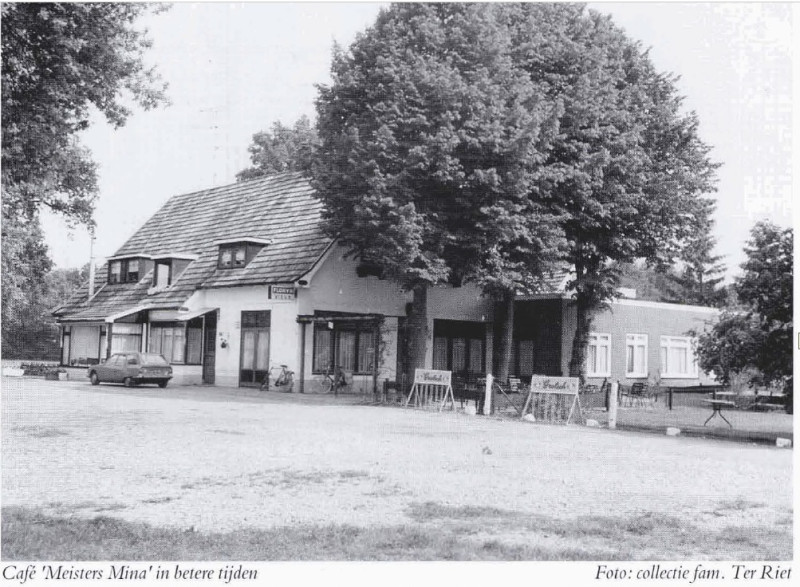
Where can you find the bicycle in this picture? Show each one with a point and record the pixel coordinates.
(284, 379)
(332, 380)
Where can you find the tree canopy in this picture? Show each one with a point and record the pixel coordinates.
(452, 135)
(758, 337)
(431, 140)
(627, 170)
(59, 62)
(283, 148)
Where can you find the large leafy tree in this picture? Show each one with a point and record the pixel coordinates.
(627, 170)
(283, 148)
(59, 63)
(757, 336)
(431, 143)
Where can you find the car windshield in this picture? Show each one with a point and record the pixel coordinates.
(154, 359)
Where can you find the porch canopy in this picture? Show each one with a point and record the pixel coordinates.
(323, 317)
(334, 320)
(178, 315)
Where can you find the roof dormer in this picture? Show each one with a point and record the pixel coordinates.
(128, 268)
(169, 267)
(237, 253)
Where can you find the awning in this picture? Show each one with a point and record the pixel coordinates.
(335, 317)
(123, 313)
(178, 315)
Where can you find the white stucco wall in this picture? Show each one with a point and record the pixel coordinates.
(284, 329)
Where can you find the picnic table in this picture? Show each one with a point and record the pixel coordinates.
(718, 404)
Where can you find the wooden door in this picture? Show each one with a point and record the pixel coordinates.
(254, 354)
(210, 348)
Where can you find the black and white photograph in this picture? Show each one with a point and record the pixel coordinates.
(321, 281)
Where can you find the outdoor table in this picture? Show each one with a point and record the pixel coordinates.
(717, 405)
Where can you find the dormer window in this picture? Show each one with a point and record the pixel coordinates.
(169, 267)
(129, 269)
(237, 253)
(115, 272)
(133, 271)
(225, 256)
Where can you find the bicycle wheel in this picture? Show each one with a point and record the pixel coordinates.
(325, 384)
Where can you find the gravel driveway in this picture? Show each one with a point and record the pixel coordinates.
(220, 460)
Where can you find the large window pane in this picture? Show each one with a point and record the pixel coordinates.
(248, 350)
(262, 357)
(459, 354)
(346, 350)
(440, 353)
(366, 351)
(194, 345)
(475, 355)
(178, 344)
(323, 355)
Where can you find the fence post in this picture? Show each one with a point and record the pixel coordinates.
(487, 395)
(612, 405)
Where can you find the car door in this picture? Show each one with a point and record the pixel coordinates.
(131, 366)
(113, 369)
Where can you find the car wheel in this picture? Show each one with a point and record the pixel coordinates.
(127, 382)
(94, 378)
(162, 384)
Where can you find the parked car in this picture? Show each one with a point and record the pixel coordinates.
(132, 369)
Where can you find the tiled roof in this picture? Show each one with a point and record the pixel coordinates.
(279, 208)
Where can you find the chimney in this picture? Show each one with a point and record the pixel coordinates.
(91, 265)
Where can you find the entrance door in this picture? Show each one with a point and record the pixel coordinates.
(255, 348)
(210, 348)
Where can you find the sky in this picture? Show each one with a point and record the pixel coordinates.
(235, 68)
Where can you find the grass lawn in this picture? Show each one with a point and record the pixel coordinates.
(437, 532)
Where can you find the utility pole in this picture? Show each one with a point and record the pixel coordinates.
(91, 263)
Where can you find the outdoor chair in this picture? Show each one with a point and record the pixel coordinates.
(640, 394)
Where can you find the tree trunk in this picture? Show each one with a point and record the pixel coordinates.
(417, 331)
(577, 364)
(505, 312)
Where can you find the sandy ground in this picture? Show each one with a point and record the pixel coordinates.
(219, 460)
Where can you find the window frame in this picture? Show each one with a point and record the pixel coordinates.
(678, 342)
(182, 326)
(360, 329)
(115, 277)
(634, 341)
(598, 336)
(454, 332)
(132, 276)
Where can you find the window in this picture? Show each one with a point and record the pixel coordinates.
(354, 346)
(115, 272)
(233, 256)
(636, 355)
(225, 256)
(194, 341)
(133, 271)
(127, 270)
(459, 346)
(126, 337)
(177, 342)
(677, 357)
(598, 356)
(162, 278)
